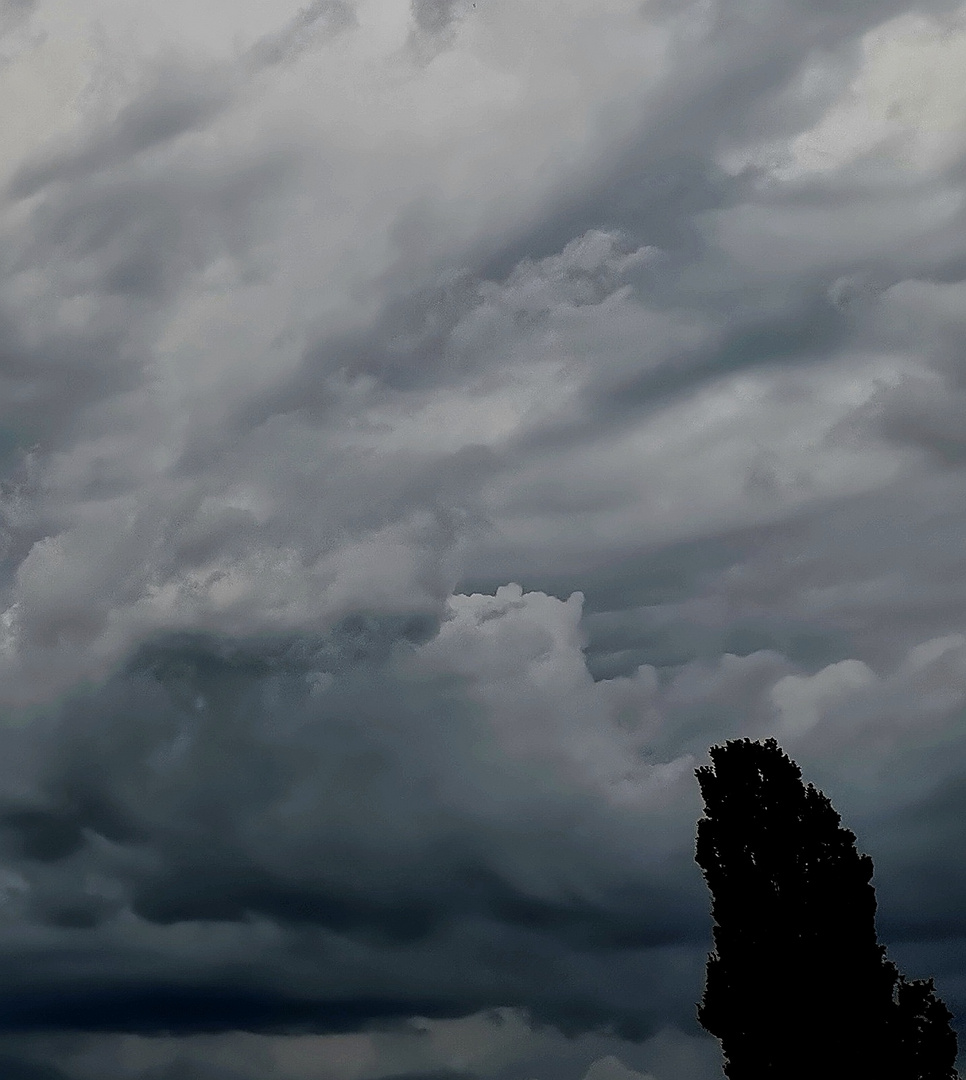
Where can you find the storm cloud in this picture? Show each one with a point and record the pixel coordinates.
(425, 428)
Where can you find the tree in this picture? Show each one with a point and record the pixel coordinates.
(926, 1041)
(798, 985)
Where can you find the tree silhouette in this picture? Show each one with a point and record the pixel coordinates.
(798, 985)
(926, 1044)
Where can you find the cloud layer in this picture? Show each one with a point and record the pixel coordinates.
(424, 429)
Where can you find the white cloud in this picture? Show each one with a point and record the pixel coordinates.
(612, 1068)
(801, 698)
(904, 107)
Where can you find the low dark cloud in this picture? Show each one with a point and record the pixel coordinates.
(439, 1074)
(317, 794)
(25, 1070)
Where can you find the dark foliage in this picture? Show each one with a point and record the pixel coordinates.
(798, 986)
(926, 1043)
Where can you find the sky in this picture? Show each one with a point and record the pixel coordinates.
(425, 428)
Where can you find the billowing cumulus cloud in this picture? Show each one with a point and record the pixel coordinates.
(425, 427)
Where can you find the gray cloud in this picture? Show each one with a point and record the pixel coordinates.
(434, 15)
(444, 1074)
(411, 884)
(25, 1070)
(309, 345)
(314, 23)
(14, 14)
(173, 103)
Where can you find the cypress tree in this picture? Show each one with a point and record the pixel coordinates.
(798, 986)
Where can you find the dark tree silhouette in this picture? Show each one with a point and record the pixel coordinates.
(798, 986)
(926, 1043)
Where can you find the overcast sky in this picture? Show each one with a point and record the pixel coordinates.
(425, 428)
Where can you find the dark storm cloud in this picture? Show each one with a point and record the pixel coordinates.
(16, 1069)
(41, 835)
(442, 1074)
(158, 1008)
(185, 1069)
(296, 341)
(206, 788)
(922, 853)
(364, 816)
